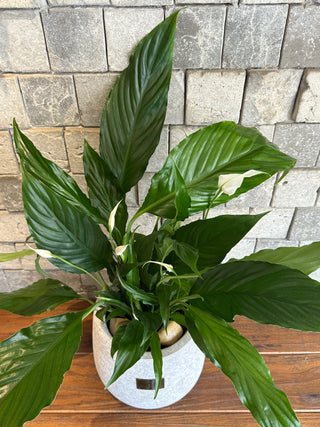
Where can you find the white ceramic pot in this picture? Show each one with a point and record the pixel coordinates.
(182, 367)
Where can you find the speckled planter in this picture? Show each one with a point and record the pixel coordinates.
(182, 367)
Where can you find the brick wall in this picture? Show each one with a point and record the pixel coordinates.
(257, 63)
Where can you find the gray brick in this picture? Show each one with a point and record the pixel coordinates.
(259, 197)
(28, 262)
(274, 225)
(74, 140)
(131, 197)
(81, 181)
(143, 186)
(4, 285)
(9, 265)
(301, 141)
(301, 44)
(267, 131)
(306, 224)
(11, 103)
(175, 112)
(75, 39)
(21, 4)
(78, 2)
(70, 279)
(141, 2)
(274, 244)
(199, 37)
(161, 152)
(186, 2)
(50, 100)
(13, 227)
(92, 91)
(308, 109)
(17, 279)
(257, 33)
(269, 96)
(270, 1)
(124, 29)
(8, 161)
(18, 30)
(213, 96)
(243, 248)
(51, 144)
(226, 210)
(298, 189)
(10, 189)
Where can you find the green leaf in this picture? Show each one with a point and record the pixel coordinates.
(32, 365)
(188, 254)
(305, 258)
(165, 293)
(213, 238)
(222, 148)
(151, 323)
(104, 191)
(116, 339)
(135, 110)
(240, 361)
(57, 226)
(51, 175)
(182, 199)
(130, 349)
(43, 295)
(267, 293)
(157, 360)
(137, 293)
(14, 255)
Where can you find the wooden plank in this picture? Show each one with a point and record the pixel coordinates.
(266, 338)
(297, 374)
(155, 418)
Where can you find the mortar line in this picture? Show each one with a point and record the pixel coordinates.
(45, 39)
(284, 35)
(224, 36)
(288, 236)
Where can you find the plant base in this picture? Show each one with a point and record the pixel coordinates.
(182, 367)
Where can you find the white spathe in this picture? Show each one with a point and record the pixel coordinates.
(230, 183)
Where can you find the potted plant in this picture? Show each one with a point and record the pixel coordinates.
(173, 274)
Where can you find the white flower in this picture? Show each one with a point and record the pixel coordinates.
(112, 217)
(230, 183)
(119, 250)
(168, 267)
(42, 252)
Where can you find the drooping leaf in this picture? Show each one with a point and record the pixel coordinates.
(57, 226)
(241, 362)
(215, 237)
(267, 293)
(117, 339)
(51, 175)
(15, 255)
(187, 254)
(32, 365)
(41, 296)
(305, 258)
(165, 293)
(135, 110)
(130, 349)
(157, 360)
(104, 191)
(151, 323)
(202, 157)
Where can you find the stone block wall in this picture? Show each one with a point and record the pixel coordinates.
(256, 62)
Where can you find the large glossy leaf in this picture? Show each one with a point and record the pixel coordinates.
(51, 175)
(32, 365)
(222, 148)
(43, 295)
(104, 191)
(135, 110)
(305, 258)
(266, 293)
(215, 237)
(240, 361)
(57, 226)
(130, 349)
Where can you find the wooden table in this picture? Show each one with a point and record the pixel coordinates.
(293, 358)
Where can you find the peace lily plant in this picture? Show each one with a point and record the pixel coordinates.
(174, 273)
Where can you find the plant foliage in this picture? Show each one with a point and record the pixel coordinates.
(174, 273)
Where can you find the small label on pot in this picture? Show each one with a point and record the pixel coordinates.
(143, 384)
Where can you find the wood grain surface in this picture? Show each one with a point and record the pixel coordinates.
(293, 358)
